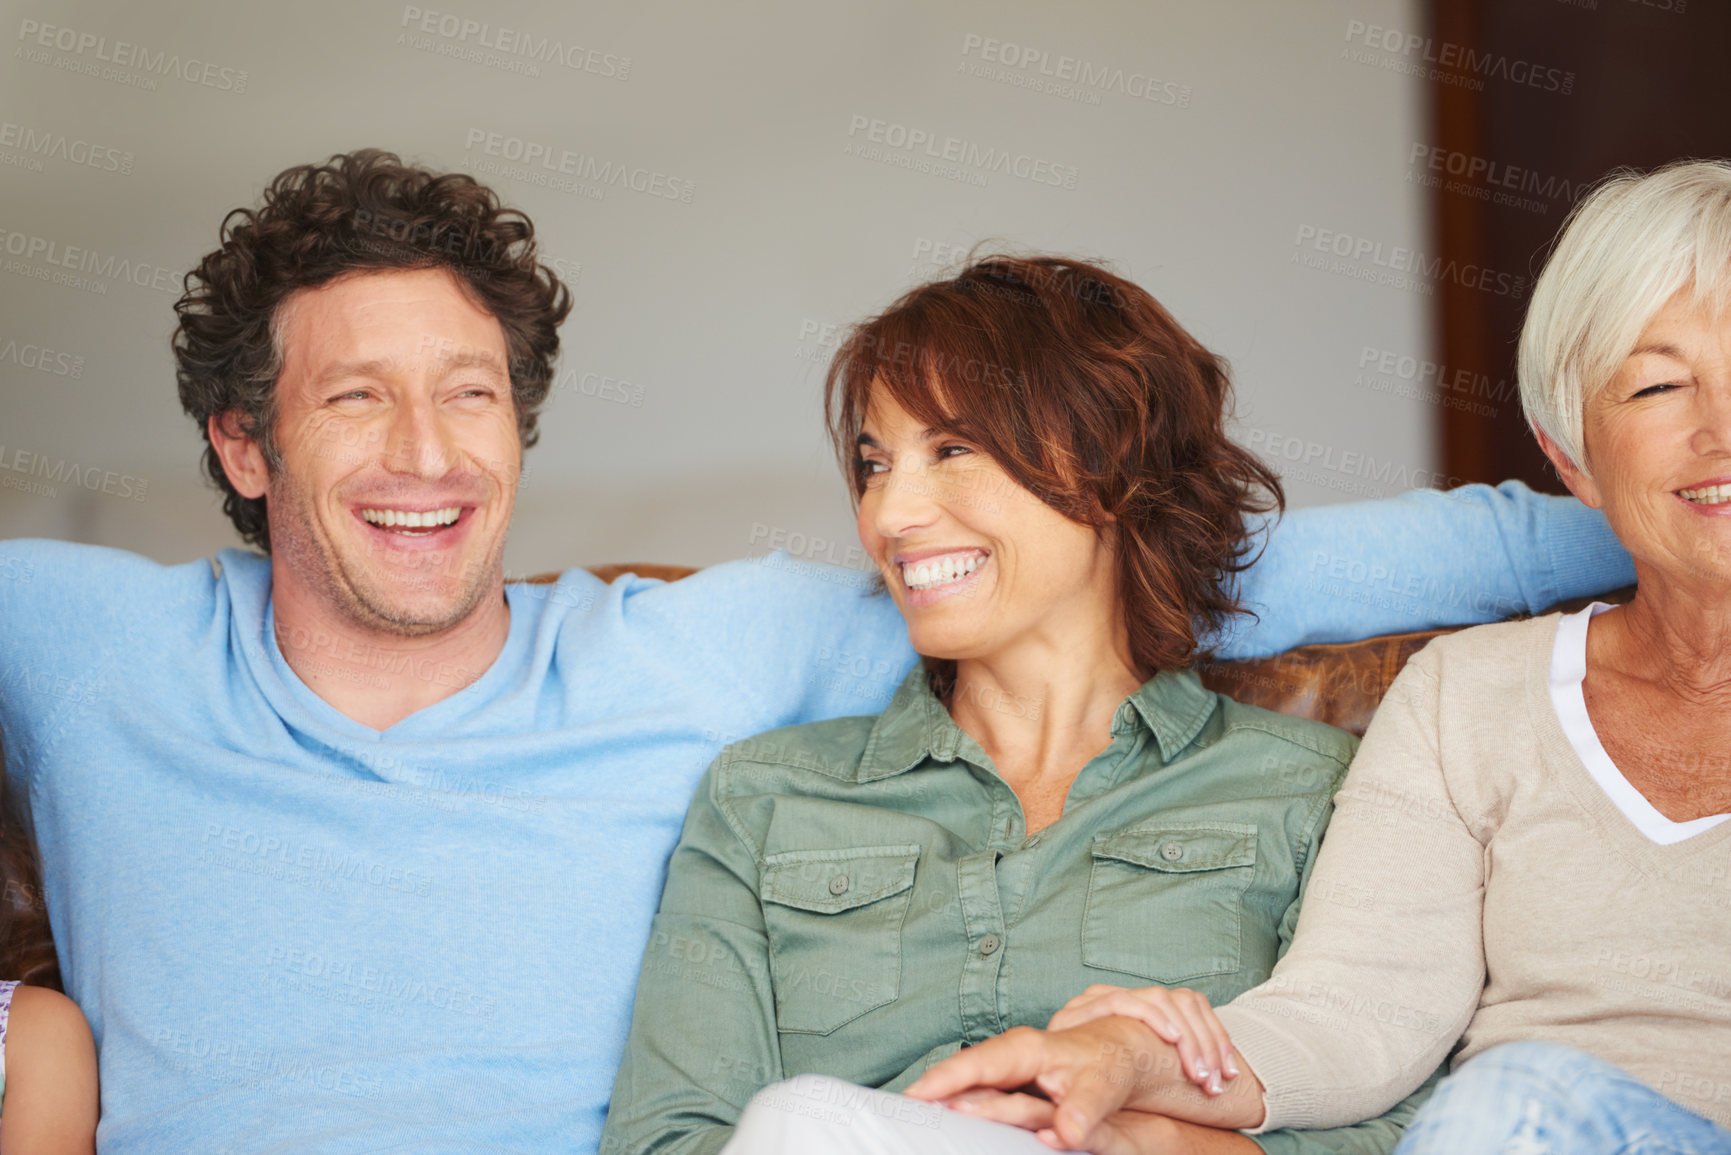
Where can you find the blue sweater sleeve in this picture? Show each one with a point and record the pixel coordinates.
(68, 613)
(1427, 558)
(792, 641)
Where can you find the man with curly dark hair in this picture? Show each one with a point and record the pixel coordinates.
(367, 355)
(364, 212)
(351, 845)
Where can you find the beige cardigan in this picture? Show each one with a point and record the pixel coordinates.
(1477, 885)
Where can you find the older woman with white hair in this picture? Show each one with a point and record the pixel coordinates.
(1529, 870)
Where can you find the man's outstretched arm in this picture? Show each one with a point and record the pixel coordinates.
(1428, 558)
(802, 641)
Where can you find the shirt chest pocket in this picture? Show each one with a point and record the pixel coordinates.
(1165, 900)
(834, 920)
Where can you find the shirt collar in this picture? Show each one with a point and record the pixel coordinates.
(1173, 705)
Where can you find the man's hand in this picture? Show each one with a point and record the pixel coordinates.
(1088, 1073)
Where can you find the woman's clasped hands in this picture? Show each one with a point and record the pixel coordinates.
(1115, 1072)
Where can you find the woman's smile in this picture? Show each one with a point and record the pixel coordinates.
(931, 576)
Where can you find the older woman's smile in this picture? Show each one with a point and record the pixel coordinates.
(1708, 493)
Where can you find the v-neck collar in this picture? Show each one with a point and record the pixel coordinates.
(1568, 696)
(1572, 772)
(253, 623)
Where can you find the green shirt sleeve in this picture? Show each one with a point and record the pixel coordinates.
(703, 1037)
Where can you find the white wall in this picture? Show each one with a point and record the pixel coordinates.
(714, 313)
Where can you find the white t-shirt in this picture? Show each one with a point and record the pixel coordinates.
(1568, 673)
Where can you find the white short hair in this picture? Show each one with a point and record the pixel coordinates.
(1631, 245)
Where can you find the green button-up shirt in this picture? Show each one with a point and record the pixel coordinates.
(861, 898)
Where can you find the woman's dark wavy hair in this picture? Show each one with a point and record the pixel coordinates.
(359, 212)
(26, 942)
(1091, 397)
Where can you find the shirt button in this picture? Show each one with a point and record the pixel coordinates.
(838, 884)
(1171, 852)
(989, 945)
(1031, 843)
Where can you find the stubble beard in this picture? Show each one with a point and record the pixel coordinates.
(361, 596)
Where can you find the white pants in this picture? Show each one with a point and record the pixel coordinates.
(818, 1115)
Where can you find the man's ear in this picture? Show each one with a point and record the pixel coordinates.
(241, 457)
(1582, 486)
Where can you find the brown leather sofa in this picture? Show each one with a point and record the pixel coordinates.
(1338, 684)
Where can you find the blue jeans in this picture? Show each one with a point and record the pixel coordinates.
(1548, 1099)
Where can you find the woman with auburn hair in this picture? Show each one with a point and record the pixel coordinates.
(1039, 460)
(1540, 815)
